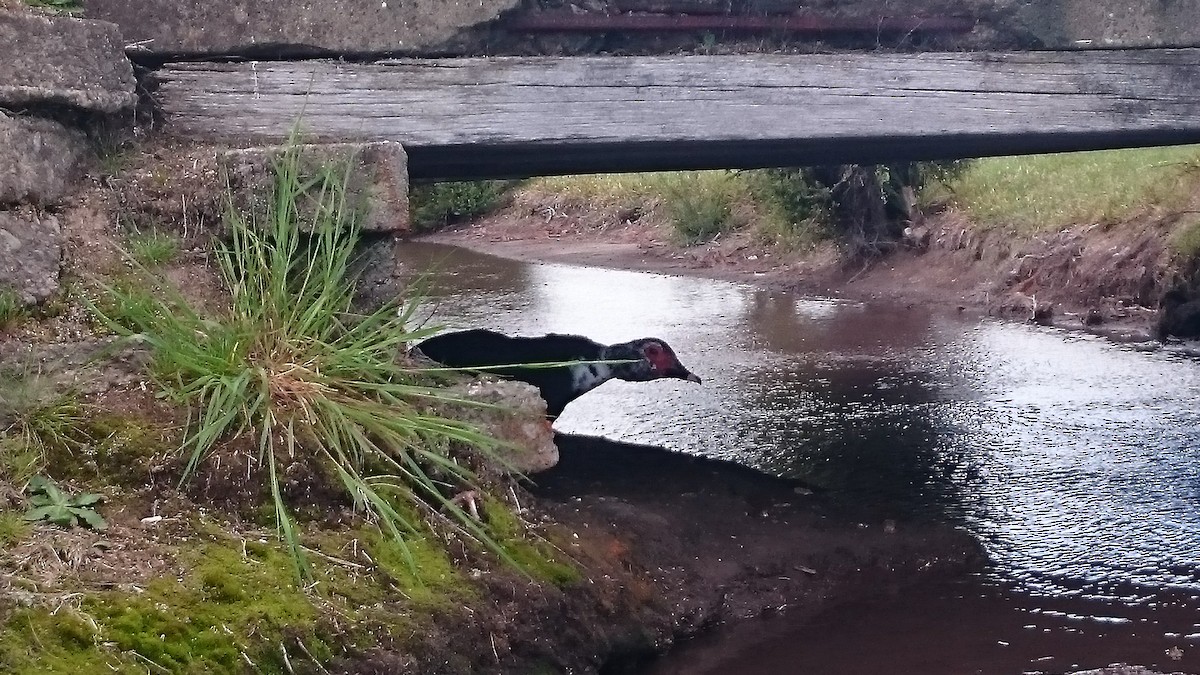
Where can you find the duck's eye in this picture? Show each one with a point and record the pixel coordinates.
(653, 350)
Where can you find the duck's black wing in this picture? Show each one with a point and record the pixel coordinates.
(480, 348)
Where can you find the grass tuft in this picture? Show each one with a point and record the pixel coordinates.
(293, 367)
(700, 210)
(11, 308)
(35, 421)
(153, 248)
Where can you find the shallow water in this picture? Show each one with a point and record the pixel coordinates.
(1074, 460)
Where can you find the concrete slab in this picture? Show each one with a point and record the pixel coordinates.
(377, 181)
(30, 255)
(38, 159)
(61, 61)
(258, 27)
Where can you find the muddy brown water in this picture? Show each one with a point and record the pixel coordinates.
(1074, 460)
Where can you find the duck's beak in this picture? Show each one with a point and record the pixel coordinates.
(692, 377)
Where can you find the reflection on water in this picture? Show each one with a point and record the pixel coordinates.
(1075, 461)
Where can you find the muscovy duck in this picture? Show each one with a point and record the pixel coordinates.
(648, 359)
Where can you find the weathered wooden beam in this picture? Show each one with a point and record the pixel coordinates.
(473, 118)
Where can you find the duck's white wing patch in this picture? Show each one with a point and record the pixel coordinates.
(588, 376)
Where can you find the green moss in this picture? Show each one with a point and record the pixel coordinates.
(535, 556)
(229, 609)
(420, 569)
(35, 641)
(111, 447)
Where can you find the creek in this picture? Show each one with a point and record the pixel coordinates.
(1074, 460)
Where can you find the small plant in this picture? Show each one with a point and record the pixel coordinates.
(50, 504)
(153, 248)
(437, 205)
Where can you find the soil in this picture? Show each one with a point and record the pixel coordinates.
(1105, 280)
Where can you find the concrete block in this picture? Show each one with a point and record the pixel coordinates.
(30, 255)
(258, 27)
(515, 415)
(377, 182)
(38, 159)
(61, 61)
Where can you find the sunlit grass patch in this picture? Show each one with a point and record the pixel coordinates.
(1047, 192)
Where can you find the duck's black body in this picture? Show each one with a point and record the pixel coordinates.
(646, 359)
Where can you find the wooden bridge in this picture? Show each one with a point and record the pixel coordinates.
(507, 117)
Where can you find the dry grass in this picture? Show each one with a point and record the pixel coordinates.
(1049, 192)
(699, 204)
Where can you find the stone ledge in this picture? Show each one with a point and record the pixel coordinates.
(246, 27)
(30, 255)
(377, 181)
(514, 413)
(61, 61)
(38, 159)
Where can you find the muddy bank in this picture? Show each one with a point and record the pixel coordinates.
(704, 542)
(1103, 279)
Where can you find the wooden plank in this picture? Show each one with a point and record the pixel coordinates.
(472, 118)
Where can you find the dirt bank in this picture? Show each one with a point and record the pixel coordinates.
(1101, 279)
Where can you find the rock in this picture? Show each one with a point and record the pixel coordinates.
(61, 61)
(377, 181)
(519, 420)
(38, 159)
(1110, 23)
(294, 27)
(88, 366)
(30, 254)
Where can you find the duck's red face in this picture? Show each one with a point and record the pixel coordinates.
(664, 363)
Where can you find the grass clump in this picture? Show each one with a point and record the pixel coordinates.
(36, 422)
(11, 308)
(437, 205)
(701, 205)
(1049, 192)
(294, 370)
(153, 248)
